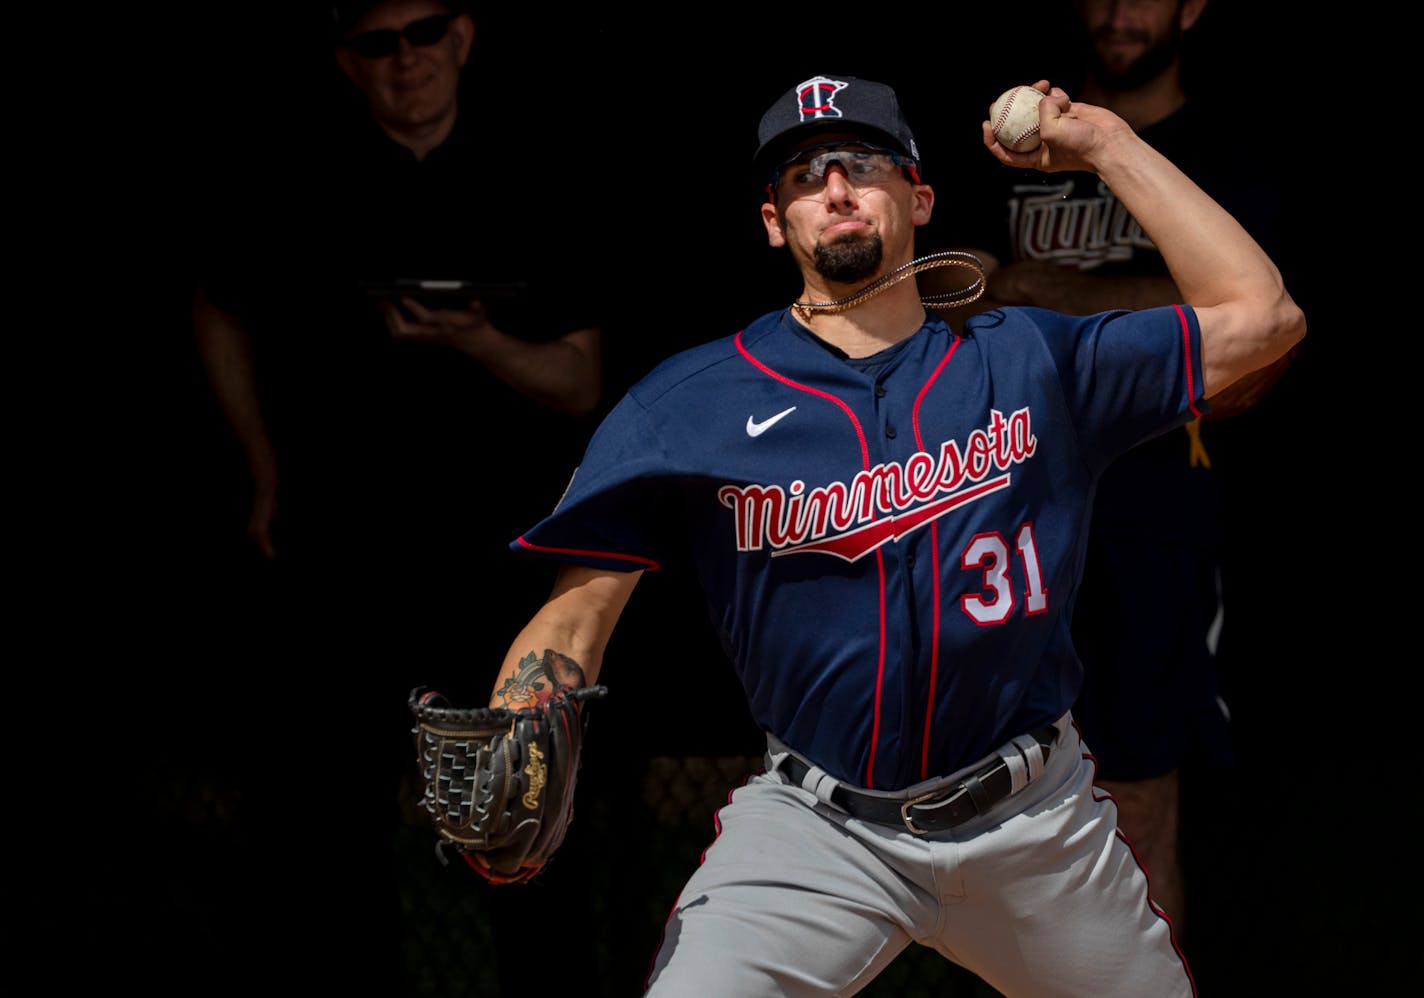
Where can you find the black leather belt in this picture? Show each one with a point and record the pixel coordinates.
(936, 811)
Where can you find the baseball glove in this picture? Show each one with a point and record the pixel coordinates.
(498, 782)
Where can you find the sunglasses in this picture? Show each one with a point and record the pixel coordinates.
(863, 164)
(386, 41)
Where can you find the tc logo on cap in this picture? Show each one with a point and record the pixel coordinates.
(817, 96)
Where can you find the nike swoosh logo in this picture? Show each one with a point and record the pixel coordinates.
(755, 429)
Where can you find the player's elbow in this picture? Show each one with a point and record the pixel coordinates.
(1237, 341)
(1285, 325)
(1297, 324)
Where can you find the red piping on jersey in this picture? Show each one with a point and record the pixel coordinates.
(934, 546)
(1187, 349)
(879, 555)
(879, 674)
(860, 433)
(648, 564)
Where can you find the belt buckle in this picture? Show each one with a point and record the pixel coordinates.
(905, 807)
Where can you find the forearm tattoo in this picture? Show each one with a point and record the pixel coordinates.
(536, 679)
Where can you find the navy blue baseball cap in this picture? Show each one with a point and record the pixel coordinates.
(825, 103)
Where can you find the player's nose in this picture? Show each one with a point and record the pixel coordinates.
(839, 191)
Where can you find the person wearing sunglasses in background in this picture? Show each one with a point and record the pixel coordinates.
(393, 444)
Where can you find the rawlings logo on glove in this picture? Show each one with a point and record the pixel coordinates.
(499, 781)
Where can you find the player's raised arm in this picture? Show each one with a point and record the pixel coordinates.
(1248, 318)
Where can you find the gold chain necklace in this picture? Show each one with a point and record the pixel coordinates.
(947, 299)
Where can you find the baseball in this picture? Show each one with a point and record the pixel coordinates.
(1014, 117)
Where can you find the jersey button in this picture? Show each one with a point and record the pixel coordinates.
(880, 391)
(910, 560)
(890, 432)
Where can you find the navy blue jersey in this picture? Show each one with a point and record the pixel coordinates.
(862, 539)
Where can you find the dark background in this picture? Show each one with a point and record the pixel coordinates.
(1300, 861)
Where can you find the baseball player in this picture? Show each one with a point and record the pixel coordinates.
(888, 522)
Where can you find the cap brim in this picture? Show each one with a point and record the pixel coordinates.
(778, 149)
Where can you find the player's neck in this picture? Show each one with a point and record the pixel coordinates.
(1145, 106)
(869, 326)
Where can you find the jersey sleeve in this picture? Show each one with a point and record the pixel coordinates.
(1126, 376)
(614, 512)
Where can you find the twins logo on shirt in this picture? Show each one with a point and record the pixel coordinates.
(1083, 229)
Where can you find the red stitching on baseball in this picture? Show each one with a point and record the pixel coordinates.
(1004, 116)
(1004, 111)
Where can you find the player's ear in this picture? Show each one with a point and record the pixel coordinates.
(772, 220)
(923, 204)
(1191, 10)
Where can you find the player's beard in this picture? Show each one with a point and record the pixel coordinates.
(1121, 78)
(850, 259)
